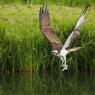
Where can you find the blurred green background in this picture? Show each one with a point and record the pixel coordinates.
(58, 2)
(22, 45)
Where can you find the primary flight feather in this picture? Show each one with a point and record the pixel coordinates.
(47, 29)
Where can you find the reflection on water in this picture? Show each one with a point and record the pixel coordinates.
(52, 84)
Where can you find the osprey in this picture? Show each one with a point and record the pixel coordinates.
(59, 49)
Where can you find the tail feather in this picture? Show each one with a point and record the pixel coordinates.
(73, 49)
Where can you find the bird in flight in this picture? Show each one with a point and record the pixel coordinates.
(60, 50)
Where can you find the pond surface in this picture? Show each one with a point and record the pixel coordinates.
(47, 84)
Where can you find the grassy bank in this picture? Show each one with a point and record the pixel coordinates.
(23, 47)
(52, 2)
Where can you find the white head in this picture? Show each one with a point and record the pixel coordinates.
(55, 52)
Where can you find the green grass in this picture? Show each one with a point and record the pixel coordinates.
(52, 2)
(23, 48)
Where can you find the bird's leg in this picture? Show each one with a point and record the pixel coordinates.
(65, 67)
(62, 61)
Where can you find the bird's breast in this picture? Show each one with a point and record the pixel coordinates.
(63, 52)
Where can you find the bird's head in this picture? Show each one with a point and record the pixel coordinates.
(55, 52)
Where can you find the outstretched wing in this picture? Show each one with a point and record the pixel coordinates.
(75, 33)
(47, 30)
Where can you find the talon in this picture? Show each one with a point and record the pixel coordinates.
(65, 67)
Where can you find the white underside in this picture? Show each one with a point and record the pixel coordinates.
(62, 56)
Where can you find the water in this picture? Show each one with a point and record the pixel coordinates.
(47, 84)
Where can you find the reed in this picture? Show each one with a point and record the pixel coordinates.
(26, 50)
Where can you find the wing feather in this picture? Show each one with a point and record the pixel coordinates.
(47, 30)
(75, 33)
